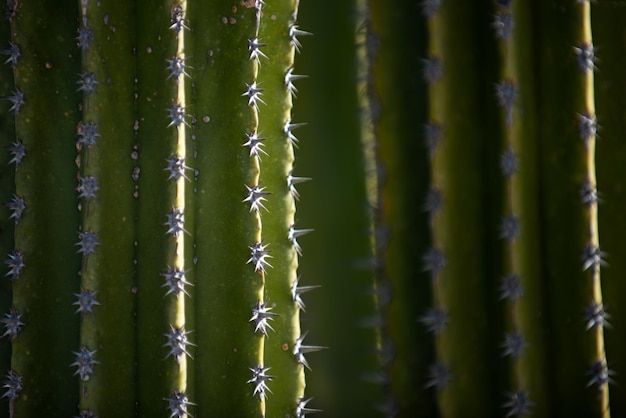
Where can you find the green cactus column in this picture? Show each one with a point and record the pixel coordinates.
(9, 201)
(462, 261)
(398, 104)
(231, 255)
(44, 262)
(105, 356)
(161, 129)
(285, 348)
(522, 284)
(609, 33)
(341, 314)
(569, 217)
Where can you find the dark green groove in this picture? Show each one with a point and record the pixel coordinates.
(155, 43)
(224, 227)
(464, 169)
(110, 328)
(46, 125)
(404, 181)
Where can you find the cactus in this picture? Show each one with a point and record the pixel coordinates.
(511, 243)
(151, 247)
(152, 203)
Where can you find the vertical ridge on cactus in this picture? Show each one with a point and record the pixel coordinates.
(228, 287)
(37, 148)
(105, 199)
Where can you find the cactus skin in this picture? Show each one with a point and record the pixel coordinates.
(135, 171)
(345, 380)
(566, 91)
(519, 156)
(403, 218)
(43, 292)
(608, 30)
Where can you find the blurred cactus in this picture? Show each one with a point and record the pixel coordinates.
(468, 264)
